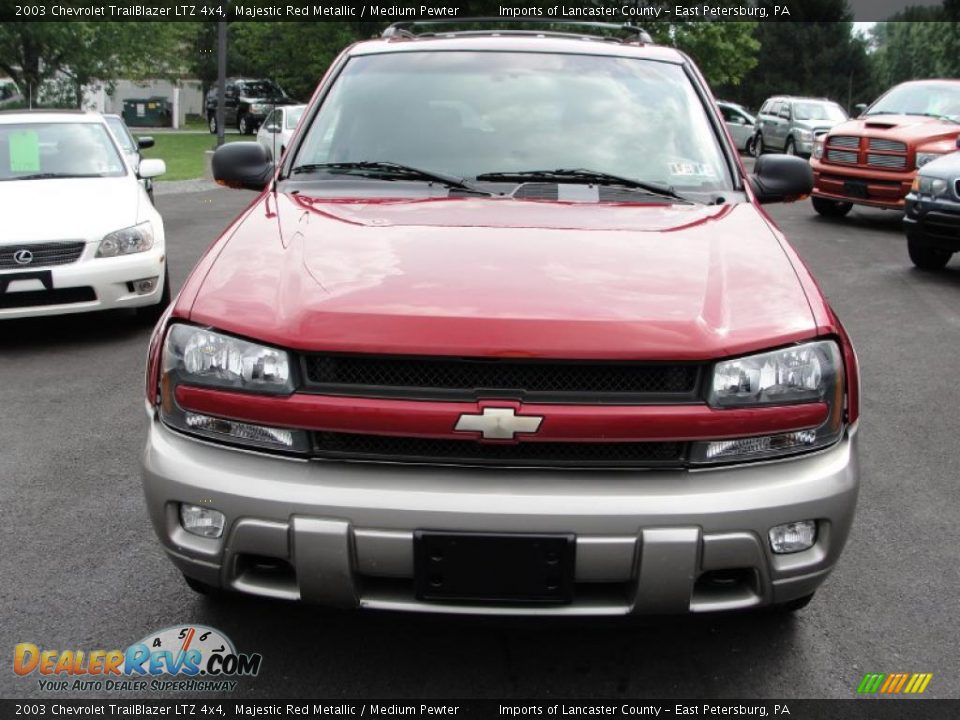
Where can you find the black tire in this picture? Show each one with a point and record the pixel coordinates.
(150, 314)
(926, 257)
(244, 126)
(758, 145)
(748, 147)
(831, 208)
(793, 605)
(212, 123)
(791, 148)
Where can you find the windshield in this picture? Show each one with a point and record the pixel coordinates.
(927, 98)
(121, 134)
(293, 116)
(260, 89)
(75, 149)
(472, 113)
(818, 111)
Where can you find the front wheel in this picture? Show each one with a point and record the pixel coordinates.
(791, 149)
(926, 257)
(831, 208)
(748, 147)
(212, 123)
(244, 125)
(758, 145)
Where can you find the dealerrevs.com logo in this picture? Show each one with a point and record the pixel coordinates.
(202, 657)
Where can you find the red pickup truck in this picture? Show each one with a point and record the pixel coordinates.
(872, 160)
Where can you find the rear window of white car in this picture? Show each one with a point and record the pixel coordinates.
(35, 150)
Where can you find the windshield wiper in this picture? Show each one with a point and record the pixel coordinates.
(593, 177)
(52, 175)
(384, 170)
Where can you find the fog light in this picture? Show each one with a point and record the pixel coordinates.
(202, 521)
(793, 537)
(262, 434)
(754, 446)
(145, 286)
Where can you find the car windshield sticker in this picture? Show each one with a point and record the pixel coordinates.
(24, 152)
(691, 169)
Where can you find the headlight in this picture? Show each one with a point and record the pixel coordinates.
(924, 157)
(929, 185)
(812, 372)
(138, 238)
(201, 357)
(805, 135)
(818, 148)
(259, 108)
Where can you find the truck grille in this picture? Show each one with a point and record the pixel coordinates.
(887, 162)
(466, 378)
(843, 156)
(382, 448)
(887, 145)
(844, 141)
(42, 254)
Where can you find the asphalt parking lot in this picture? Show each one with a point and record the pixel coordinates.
(81, 567)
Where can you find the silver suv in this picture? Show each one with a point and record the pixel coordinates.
(791, 124)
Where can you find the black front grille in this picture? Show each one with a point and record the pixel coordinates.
(383, 448)
(38, 298)
(39, 255)
(468, 378)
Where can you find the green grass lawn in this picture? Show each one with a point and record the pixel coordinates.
(183, 152)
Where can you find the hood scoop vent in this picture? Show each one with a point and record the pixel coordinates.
(881, 125)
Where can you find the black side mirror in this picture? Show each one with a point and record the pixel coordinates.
(781, 178)
(242, 165)
(859, 109)
(145, 142)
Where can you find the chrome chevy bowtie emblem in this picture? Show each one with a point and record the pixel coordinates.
(23, 257)
(499, 423)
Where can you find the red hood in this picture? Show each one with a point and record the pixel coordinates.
(911, 129)
(503, 277)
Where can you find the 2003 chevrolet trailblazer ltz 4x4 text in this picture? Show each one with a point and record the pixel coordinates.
(506, 331)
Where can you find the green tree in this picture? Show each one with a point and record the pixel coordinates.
(919, 42)
(79, 53)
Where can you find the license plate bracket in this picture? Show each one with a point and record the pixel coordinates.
(499, 568)
(856, 189)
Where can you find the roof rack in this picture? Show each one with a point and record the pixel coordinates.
(405, 29)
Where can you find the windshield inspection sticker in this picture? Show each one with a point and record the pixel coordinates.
(691, 169)
(24, 151)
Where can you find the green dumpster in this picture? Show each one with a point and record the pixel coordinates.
(147, 112)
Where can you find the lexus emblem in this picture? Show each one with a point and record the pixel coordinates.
(498, 423)
(23, 257)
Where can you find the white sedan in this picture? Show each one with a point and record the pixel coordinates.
(277, 129)
(77, 231)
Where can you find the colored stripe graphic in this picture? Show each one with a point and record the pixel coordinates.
(894, 683)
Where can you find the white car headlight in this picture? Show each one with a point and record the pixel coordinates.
(818, 148)
(138, 238)
(811, 372)
(196, 356)
(805, 135)
(924, 157)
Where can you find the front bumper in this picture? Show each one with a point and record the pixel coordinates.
(342, 534)
(107, 278)
(882, 189)
(933, 223)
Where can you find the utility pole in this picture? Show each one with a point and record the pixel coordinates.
(221, 77)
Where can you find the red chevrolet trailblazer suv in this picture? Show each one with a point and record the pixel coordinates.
(872, 160)
(506, 330)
